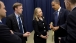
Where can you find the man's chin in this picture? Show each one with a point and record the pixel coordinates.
(68, 9)
(20, 13)
(55, 9)
(3, 16)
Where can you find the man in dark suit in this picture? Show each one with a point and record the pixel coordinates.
(70, 25)
(5, 34)
(59, 18)
(16, 24)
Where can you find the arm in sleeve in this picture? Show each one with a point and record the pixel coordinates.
(9, 24)
(6, 36)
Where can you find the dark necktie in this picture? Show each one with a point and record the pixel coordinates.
(20, 25)
(56, 18)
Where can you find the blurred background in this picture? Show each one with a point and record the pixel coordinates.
(28, 9)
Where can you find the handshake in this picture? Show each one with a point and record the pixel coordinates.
(52, 27)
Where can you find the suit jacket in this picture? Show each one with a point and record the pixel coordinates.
(61, 21)
(70, 26)
(11, 22)
(40, 27)
(6, 36)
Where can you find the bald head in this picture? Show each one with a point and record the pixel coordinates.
(1, 3)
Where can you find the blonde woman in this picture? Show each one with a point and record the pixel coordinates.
(40, 26)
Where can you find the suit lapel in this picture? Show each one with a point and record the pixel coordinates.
(54, 16)
(60, 14)
(15, 20)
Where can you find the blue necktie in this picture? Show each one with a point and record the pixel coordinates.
(20, 25)
(56, 18)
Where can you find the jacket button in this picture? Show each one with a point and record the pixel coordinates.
(44, 30)
(43, 23)
(37, 35)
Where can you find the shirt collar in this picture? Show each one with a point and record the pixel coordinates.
(17, 15)
(59, 9)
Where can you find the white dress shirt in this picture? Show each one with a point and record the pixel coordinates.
(18, 21)
(59, 10)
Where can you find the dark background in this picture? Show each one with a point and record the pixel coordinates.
(28, 9)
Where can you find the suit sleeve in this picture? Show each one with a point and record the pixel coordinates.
(35, 25)
(9, 24)
(66, 15)
(62, 28)
(6, 36)
(65, 25)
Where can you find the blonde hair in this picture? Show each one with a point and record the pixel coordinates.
(35, 14)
